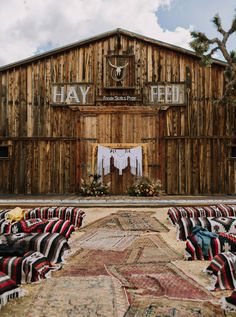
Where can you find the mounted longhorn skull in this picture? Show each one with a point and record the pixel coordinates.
(118, 71)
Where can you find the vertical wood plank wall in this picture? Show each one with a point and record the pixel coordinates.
(188, 146)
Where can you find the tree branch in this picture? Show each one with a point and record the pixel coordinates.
(217, 21)
(203, 47)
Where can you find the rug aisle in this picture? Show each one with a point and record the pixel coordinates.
(122, 266)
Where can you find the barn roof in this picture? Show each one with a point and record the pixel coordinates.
(101, 37)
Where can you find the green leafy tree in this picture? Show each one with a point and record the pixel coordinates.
(206, 47)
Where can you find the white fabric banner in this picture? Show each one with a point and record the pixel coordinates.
(121, 159)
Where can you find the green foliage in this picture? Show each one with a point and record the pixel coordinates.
(200, 44)
(145, 187)
(217, 21)
(93, 186)
(233, 56)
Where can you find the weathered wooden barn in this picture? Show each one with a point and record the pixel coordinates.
(120, 90)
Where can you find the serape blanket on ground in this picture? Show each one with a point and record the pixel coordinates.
(31, 267)
(229, 303)
(222, 271)
(224, 242)
(64, 227)
(212, 224)
(8, 289)
(53, 246)
(220, 210)
(3, 212)
(73, 214)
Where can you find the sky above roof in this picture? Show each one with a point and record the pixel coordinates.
(29, 27)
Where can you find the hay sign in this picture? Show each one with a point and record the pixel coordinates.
(72, 94)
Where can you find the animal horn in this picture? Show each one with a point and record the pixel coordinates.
(124, 65)
(111, 64)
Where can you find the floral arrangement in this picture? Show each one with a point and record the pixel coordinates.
(93, 186)
(145, 187)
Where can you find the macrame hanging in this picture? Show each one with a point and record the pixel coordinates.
(136, 162)
(103, 160)
(120, 157)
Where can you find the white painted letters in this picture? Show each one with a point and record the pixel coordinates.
(56, 94)
(84, 93)
(154, 93)
(72, 94)
(167, 93)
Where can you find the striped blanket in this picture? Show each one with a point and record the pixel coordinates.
(3, 212)
(53, 246)
(221, 210)
(31, 267)
(229, 303)
(224, 242)
(64, 227)
(222, 270)
(73, 214)
(8, 289)
(219, 224)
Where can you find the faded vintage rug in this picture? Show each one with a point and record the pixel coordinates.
(100, 296)
(105, 239)
(129, 221)
(166, 307)
(91, 262)
(158, 279)
(145, 249)
(151, 248)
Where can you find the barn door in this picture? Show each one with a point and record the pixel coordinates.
(116, 128)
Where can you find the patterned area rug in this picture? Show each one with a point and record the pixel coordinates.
(151, 248)
(165, 307)
(100, 296)
(158, 279)
(119, 253)
(130, 221)
(105, 239)
(147, 248)
(91, 263)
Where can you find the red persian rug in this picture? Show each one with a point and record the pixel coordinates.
(91, 263)
(158, 279)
